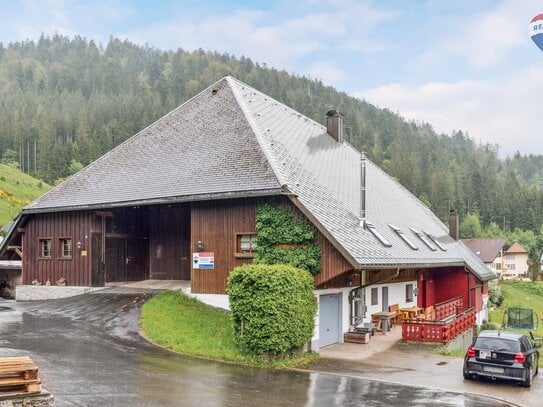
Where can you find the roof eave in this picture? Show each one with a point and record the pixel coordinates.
(158, 201)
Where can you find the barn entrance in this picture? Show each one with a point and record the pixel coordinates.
(126, 259)
(139, 243)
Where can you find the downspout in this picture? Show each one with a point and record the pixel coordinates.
(469, 288)
(361, 287)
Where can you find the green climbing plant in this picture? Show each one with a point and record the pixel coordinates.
(282, 238)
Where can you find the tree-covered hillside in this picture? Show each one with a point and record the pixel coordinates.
(65, 102)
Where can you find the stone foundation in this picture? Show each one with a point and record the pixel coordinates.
(43, 399)
(462, 341)
(44, 292)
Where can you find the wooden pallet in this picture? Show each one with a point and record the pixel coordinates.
(18, 376)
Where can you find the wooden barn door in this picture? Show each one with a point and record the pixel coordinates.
(136, 259)
(116, 259)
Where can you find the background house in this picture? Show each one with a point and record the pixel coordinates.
(515, 263)
(489, 251)
(178, 200)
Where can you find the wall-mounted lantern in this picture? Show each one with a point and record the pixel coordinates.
(200, 245)
(79, 246)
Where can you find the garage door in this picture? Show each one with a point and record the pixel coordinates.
(329, 319)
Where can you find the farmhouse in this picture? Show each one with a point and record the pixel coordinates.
(178, 200)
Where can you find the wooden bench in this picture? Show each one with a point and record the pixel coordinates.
(18, 376)
(399, 314)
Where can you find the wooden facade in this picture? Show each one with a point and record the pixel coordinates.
(216, 225)
(54, 227)
(157, 242)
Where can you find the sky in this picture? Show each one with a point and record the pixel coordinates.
(455, 64)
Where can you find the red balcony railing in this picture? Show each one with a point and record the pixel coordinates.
(447, 308)
(438, 331)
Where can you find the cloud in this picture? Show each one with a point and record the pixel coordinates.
(505, 111)
(275, 37)
(326, 72)
(481, 40)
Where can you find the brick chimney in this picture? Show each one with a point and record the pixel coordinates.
(334, 125)
(454, 225)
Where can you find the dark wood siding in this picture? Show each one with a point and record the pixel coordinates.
(55, 226)
(333, 264)
(216, 225)
(169, 243)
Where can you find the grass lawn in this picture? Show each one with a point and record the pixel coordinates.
(520, 295)
(17, 190)
(182, 324)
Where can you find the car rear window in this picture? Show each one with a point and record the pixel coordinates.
(497, 344)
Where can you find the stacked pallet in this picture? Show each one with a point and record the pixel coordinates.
(18, 377)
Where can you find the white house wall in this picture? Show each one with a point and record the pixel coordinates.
(345, 310)
(396, 295)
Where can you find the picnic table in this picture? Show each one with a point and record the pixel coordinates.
(384, 320)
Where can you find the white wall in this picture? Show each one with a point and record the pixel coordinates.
(345, 312)
(396, 295)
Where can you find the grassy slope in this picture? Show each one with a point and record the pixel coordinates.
(182, 324)
(517, 295)
(17, 190)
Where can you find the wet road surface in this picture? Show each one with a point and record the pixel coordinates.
(89, 353)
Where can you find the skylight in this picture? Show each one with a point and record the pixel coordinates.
(404, 237)
(434, 239)
(424, 239)
(378, 235)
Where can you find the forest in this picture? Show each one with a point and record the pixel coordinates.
(66, 101)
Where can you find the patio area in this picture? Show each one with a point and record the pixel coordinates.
(358, 351)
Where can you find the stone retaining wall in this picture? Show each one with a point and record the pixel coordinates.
(44, 292)
(43, 399)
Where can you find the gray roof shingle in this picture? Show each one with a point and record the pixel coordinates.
(233, 139)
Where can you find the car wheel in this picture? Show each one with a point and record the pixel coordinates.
(536, 369)
(467, 376)
(528, 381)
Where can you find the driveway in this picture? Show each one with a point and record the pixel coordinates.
(414, 365)
(89, 353)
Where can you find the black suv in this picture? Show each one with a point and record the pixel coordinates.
(502, 355)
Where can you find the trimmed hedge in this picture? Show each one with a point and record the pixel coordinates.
(273, 307)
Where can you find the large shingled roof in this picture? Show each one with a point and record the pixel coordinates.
(233, 141)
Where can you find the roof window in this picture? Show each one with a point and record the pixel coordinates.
(377, 234)
(404, 237)
(424, 239)
(437, 243)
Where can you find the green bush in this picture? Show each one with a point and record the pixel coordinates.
(284, 239)
(273, 308)
(495, 296)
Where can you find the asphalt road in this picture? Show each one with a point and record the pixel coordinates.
(89, 353)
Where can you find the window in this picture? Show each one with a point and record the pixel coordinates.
(409, 293)
(424, 239)
(498, 266)
(377, 234)
(403, 236)
(246, 244)
(510, 266)
(374, 296)
(510, 256)
(65, 248)
(45, 248)
(436, 242)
